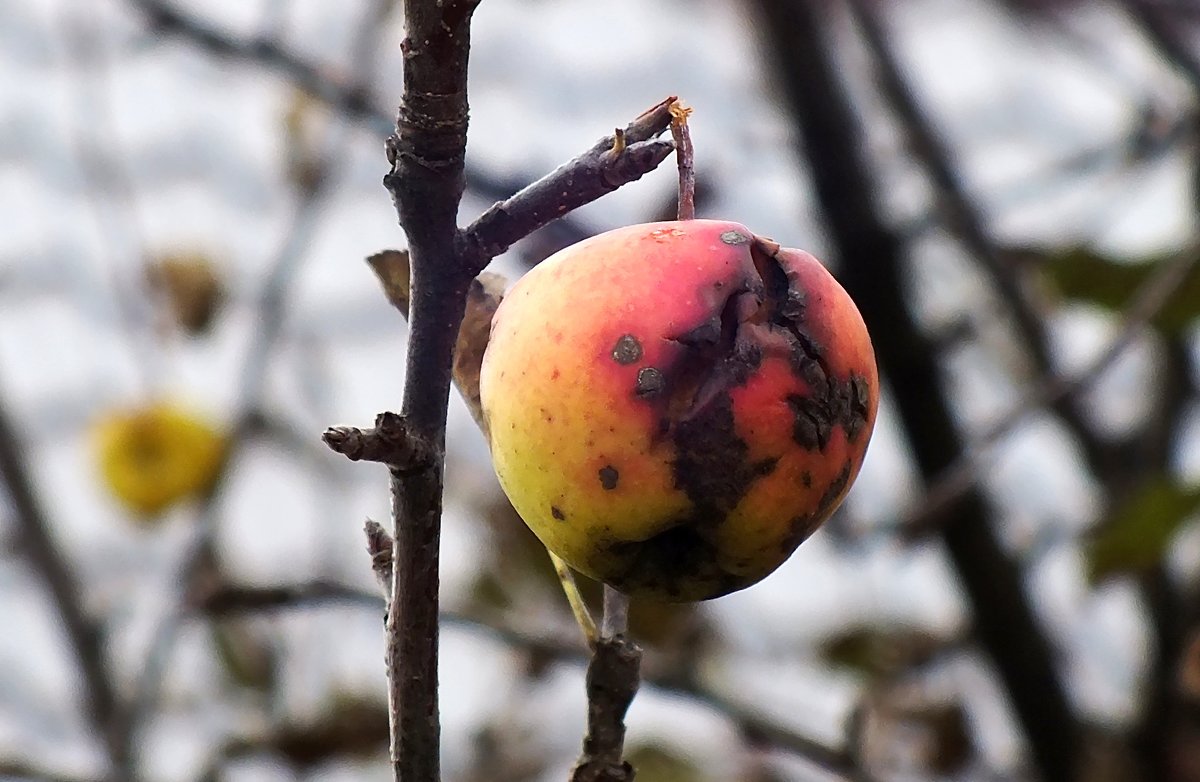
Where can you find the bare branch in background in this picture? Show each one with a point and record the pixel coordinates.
(961, 215)
(11, 768)
(197, 559)
(873, 272)
(84, 633)
(613, 161)
(753, 725)
(929, 513)
(1158, 22)
(353, 99)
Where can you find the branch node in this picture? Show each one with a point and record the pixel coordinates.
(390, 442)
(379, 546)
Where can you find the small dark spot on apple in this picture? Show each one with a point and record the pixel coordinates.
(735, 238)
(556, 513)
(627, 350)
(806, 479)
(650, 383)
(609, 477)
(765, 467)
(554, 375)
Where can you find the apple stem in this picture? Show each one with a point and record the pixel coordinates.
(615, 620)
(578, 607)
(684, 157)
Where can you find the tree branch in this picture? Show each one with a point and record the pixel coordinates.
(612, 681)
(389, 442)
(198, 556)
(426, 182)
(83, 633)
(962, 217)
(451, 348)
(352, 99)
(872, 270)
(232, 600)
(613, 161)
(952, 483)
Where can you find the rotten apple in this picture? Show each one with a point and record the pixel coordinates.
(674, 407)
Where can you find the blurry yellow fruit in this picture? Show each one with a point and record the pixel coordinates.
(155, 456)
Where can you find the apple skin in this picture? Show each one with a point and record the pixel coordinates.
(674, 407)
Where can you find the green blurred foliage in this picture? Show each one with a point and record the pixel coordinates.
(1084, 275)
(656, 763)
(878, 651)
(1136, 534)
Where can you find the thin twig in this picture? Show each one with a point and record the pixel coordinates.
(19, 769)
(198, 554)
(389, 442)
(351, 99)
(559, 646)
(227, 599)
(108, 185)
(685, 157)
(613, 676)
(612, 162)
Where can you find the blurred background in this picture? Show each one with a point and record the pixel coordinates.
(1008, 188)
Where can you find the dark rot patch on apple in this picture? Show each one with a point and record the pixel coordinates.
(860, 396)
(627, 350)
(757, 310)
(830, 401)
(557, 514)
(712, 463)
(834, 490)
(609, 477)
(669, 561)
(650, 383)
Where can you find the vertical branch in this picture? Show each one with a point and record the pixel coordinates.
(613, 678)
(962, 216)
(873, 272)
(426, 181)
